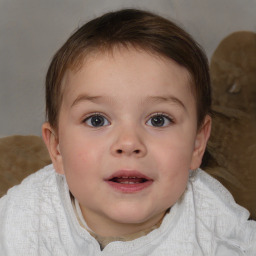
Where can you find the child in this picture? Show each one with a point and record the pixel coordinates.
(128, 103)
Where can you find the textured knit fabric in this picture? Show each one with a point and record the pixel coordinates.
(37, 218)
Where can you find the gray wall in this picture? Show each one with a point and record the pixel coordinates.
(31, 31)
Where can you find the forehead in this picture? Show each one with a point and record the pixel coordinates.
(114, 69)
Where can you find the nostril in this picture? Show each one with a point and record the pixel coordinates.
(119, 151)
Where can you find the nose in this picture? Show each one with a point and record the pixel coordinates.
(128, 143)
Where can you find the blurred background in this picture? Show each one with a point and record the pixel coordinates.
(31, 32)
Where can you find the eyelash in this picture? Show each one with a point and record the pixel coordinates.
(104, 119)
(89, 116)
(166, 116)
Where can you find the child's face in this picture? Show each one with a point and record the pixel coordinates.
(127, 138)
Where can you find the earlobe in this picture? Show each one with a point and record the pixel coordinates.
(202, 137)
(51, 141)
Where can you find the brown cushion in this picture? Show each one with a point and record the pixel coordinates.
(19, 157)
(232, 145)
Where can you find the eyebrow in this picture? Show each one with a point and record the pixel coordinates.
(85, 97)
(168, 98)
(149, 99)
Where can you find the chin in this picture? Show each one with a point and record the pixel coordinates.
(133, 216)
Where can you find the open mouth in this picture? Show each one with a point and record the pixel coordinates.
(129, 181)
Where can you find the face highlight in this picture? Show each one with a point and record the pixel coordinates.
(127, 138)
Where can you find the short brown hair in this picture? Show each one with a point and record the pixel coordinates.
(130, 27)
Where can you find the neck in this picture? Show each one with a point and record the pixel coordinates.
(105, 234)
(105, 227)
(104, 241)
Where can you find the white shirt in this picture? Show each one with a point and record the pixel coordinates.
(37, 218)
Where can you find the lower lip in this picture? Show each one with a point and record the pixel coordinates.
(129, 188)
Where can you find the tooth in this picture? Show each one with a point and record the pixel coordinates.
(129, 182)
(127, 177)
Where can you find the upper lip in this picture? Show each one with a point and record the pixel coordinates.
(128, 174)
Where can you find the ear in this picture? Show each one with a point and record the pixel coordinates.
(52, 143)
(201, 140)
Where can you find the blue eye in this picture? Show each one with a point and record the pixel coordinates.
(96, 120)
(159, 120)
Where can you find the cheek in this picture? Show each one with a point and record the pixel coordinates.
(82, 168)
(172, 160)
(80, 155)
(173, 174)
(174, 153)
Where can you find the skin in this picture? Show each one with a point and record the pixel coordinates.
(127, 89)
